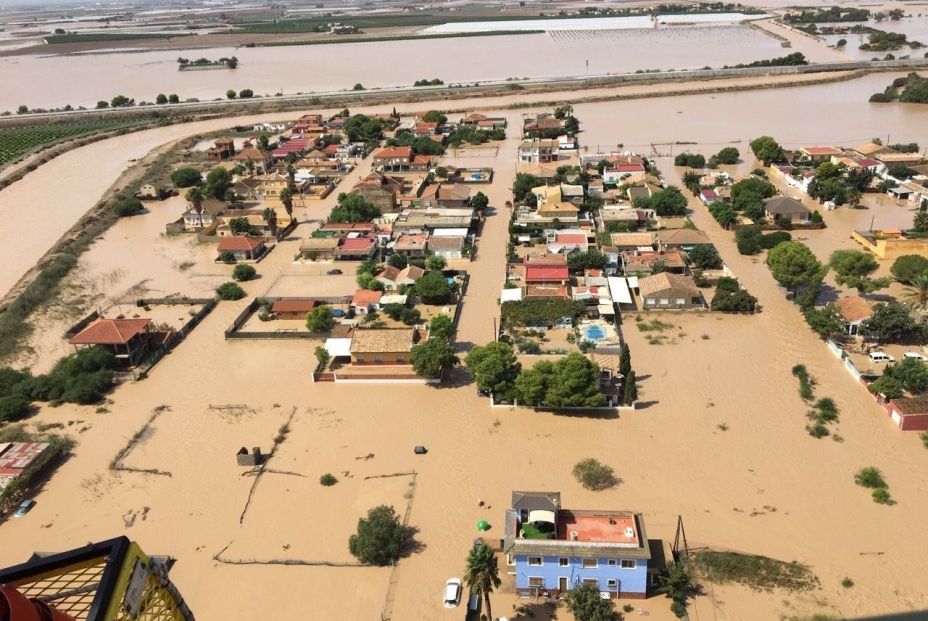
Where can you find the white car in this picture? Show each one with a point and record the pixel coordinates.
(915, 356)
(879, 356)
(452, 592)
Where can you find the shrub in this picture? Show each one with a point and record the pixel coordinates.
(320, 319)
(230, 291)
(907, 267)
(773, 239)
(127, 207)
(327, 480)
(13, 407)
(594, 475)
(870, 477)
(847, 583)
(186, 177)
(748, 239)
(379, 538)
(881, 496)
(227, 257)
(243, 272)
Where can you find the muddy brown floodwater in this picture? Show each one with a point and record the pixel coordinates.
(762, 485)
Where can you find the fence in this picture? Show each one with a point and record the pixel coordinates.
(174, 338)
(233, 332)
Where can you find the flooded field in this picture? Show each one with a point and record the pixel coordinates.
(592, 23)
(51, 81)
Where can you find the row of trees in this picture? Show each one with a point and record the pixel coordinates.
(571, 381)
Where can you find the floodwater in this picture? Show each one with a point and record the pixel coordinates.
(758, 485)
(915, 28)
(53, 81)
(592, 23)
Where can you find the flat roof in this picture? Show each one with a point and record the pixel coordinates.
(597, 526)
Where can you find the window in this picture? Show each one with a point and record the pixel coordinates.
(589, 563)
(536, 582)
(592, 581)
(612, 562)
(650, 302)
(681, 301)
(510, 560)
(534, 561)
(628, 564)
(612, 583)
(563, 562)
(359, 358)
(665, 302)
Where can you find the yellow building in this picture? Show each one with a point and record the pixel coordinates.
(890, 243)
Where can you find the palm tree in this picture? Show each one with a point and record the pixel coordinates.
(270, 217)
(195, 197)
(291, 172)
(482, 573)
(918, 293)
(250, 165)
(286, 197)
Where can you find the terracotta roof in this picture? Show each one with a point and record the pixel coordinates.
(412, 272)
(446, 242)
(822, 150)
(682, 237)
(389, 273)
(110, 332)
(250, 153)
(913, 406)
(365, 297)
(545, 259)
(570, 238)
(408, 241)
(543, 273)
(650, 285)
(298, 305)
(319, 243)
(239, 243)
(394, 152)
(646, 260)
(365, 341)
(854, 308)
(871, 148)
(357, 243)
(632, 239)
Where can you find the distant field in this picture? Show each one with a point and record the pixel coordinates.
(18, 142)
(110, 36)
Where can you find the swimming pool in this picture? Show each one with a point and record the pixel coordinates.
(594, 333)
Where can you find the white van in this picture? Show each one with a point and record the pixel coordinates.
(879, 356)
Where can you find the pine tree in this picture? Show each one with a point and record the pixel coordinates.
(625, 360)
(630, 392)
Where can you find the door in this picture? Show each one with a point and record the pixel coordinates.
(562, 584)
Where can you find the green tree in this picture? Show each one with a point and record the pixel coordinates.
(825, 321)
(705, 257)
(592, 259)
(728, 155)
(435, 262)
(585, 604)
(434, 116)
(625, 359)
(239, 225)
(186, 177)
(479, 201)
(243, 271)
(230, 291)
(748, 239)
(853, 268)
(230, 94)
(531, 385)
(920, 224)
(793, 265)
(354, 208)
(668, 202)
(218, 180)
(912, 373)
(121, 101)
(286, 197)
(917, 295)
(766, 149)
(13, 407)
(890, 323)
(161, 99)
(441, 327)
(495, 369)
(481, 574)
(433, 288)
(322, 354)
(523, 184)
(127, 207)
(173, 98)
(320, 319)
(907, 267)
(677, 585)
(379, 538)
(888, 386)
(630, 389)
(430, 358)
(246, 93)
(571, 381)
(270, 218)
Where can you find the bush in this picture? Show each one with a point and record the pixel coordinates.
(705, 257)
(869, 477)
(772, 240)
(13, 407)
(230, 291)
(433, 288)
(227, 257)
(186, 177)
(379, 538)
(327, 480)
(127, 207)
(243, 272)
(908, 267)
(594, 475)
(748, 239)
(320, 319)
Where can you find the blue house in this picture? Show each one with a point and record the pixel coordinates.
(555, 549)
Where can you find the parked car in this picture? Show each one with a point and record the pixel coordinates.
(879, 356)
(24, 507)
(334, 272)
(452, 592)
(915, 356)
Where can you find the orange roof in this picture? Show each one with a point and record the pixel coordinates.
(854, 308)
(110, 332)
(238, 243)
(293, 306)
(394, 152)
(364, 297)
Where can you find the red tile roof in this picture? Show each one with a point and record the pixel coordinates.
(357, 243)
(394, 152)
(364, 297)
(239, 243)
(544, 273)
(293, 306)
(110, 332)
(570, 238)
